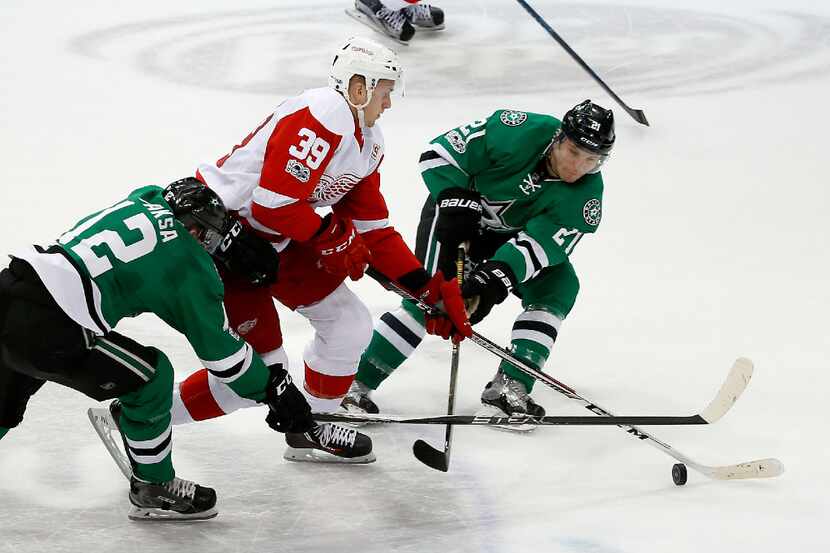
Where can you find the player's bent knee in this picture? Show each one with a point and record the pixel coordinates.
(363, 328)
(156, 394)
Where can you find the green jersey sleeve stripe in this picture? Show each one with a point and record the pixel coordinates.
(475, 135)
(431, 161)
(535, 257)
(231, 368)
(220, 365)
(441, 151)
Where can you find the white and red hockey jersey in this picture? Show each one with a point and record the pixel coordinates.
(310, 153)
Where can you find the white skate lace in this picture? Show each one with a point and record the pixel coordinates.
(332, 434)
(181, 488)
(394, 19)
(419, 13)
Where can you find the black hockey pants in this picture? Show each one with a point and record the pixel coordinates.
(39, 342)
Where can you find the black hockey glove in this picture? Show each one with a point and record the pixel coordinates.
(288, 410)
(459, 217)
(487, 286)
(248, 256)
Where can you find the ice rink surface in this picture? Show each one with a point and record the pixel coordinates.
(712, 246)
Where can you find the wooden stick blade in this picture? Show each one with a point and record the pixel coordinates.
(762, 468)
(732, 388)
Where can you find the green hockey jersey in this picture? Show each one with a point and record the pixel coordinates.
(135, 257)
(501, 157)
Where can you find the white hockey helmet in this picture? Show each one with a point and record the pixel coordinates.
(372, 60)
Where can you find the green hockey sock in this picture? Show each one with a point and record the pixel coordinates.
(3, 431)
(378, 362)
(532, 353)
(397, 334)
(145, 423)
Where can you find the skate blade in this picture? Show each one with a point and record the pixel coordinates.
(366, 20)
(490, 411)
(354, 424)
(429, 29)
(141, 514)
(310, 455)
(107, 430)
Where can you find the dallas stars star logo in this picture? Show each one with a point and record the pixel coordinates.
(493, 216)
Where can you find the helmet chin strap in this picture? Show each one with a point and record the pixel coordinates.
(361, 116)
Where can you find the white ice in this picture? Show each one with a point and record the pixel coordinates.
(712, 246)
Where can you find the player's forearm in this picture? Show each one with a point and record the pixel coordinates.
(441, 178)
(390, 254)
(253, 383)
(526, 257)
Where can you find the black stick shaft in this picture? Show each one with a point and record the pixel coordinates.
(636, 114)
(456, 350)
(477, 420)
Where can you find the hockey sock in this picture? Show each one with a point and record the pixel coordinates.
(3, 432)
(196, 397)
(532, 353)
(324, 391)
(397, 334)
(533, 335)
(145, 423)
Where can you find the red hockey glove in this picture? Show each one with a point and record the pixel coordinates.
(446, 294)
(341, 249)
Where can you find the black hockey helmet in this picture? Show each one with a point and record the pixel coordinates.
(591, 127)
(194, 204)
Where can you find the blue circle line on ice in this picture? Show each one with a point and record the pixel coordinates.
(670, 52)
(494, 49)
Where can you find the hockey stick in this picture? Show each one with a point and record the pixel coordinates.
(763, 468)
(428, 455)
(636, 114)
(736, 381)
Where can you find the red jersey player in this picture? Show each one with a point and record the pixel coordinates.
(321, 149)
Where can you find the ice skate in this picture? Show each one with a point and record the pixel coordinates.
(425, 17)
(391, 23)
(105, 425)
(177, 499)
(329, 443)
(358, 402)
(505, 396)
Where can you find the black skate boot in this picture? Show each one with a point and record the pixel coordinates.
(425, 17)
(329, 443)
(393, 23)
(177, 499)
(505, 396)
(358, 402)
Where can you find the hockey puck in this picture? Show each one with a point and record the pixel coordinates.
(679, 474)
